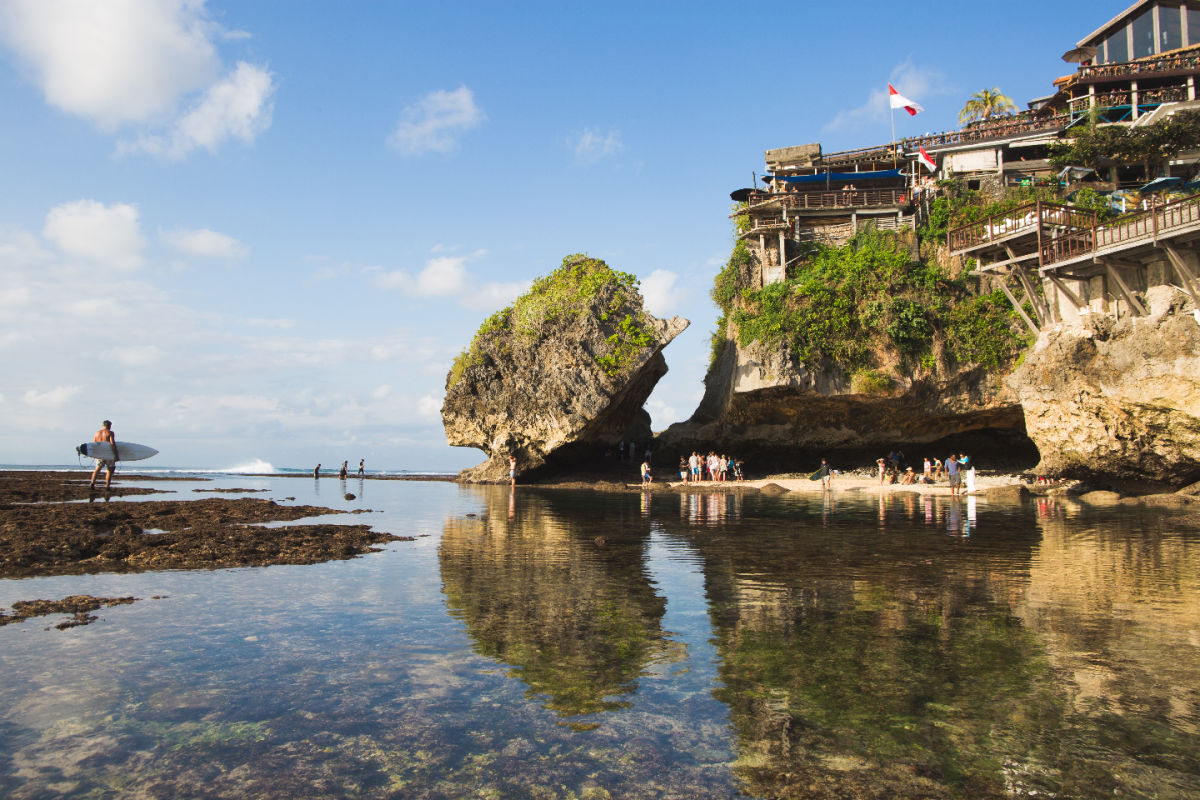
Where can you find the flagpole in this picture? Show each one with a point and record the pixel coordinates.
(893, 115)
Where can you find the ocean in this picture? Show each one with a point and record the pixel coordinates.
(573, 644)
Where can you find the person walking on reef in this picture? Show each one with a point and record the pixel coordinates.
(342, 471)
(317, 471)
(825, 474)
(362, 467)
(105, 434)
(647, 478)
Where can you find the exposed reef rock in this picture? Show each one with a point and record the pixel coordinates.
(562, 372)
(1118, 399)
(764, 406)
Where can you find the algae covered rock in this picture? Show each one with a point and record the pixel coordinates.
(560, 375)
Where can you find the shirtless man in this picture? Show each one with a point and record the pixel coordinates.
(105, 434)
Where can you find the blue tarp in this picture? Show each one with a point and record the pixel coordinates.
(838, 177)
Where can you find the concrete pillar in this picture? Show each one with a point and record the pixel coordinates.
(1191, 84)
(1133, 98)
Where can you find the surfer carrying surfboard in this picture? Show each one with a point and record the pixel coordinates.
(105, 434)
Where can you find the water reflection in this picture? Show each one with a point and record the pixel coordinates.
(562, 597)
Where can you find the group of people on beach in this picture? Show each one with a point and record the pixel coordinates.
(712, 467)
(953, 468)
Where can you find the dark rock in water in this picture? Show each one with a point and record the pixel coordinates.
(559, 377)
(773, 489)
(1014, 492)
(349, 496)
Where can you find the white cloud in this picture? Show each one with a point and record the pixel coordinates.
(105, 235)
(205, 243)
(434, 122)
(592, 145)
(447, 276)
(659, 292)
(429, 407)
(380, 392)
(57, 397)
(134, 63)
(912, 81)
(114, 62)
(135, 355)
(237, 107)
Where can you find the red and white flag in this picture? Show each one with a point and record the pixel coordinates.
(927, 160)
(900, 101)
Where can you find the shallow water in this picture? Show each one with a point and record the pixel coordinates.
(553, 644)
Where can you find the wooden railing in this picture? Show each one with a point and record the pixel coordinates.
(1141, 225)
(1022, 219)
(833, 198)
(1131, 69)
(1025, 122)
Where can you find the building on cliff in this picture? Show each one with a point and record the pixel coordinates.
(1139, 67)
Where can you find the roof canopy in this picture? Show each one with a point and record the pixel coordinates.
(837, 177)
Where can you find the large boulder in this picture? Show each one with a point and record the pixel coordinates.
(559, 376)
(1118, 399)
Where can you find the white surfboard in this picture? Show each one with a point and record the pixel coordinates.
(128, 451)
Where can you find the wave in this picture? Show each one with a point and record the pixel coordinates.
(257, 466)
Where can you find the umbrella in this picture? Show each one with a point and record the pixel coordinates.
(1080, 54)
(1075, 173)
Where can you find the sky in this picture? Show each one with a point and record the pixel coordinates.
(260, 231)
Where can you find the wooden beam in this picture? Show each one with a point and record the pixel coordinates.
(1115, 274)
(1020, 310)
(1041, 310)
(1185, 274)
(1062, 287)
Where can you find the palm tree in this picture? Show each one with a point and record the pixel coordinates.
(985, 104)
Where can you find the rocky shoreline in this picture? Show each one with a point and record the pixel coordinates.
(42, 532)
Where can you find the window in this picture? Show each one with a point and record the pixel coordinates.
(1193, 25)
(1170, 28)
(1143, 34)
(1118, 48)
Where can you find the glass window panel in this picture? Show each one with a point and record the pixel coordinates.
(1143, 34)
(1118, 49)
(1170, 29)
(1193, 21)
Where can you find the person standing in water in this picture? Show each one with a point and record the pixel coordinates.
(317, 471)
(342, 471)
(362, 467)
(826, 474)
(105, 434)
(512, 469)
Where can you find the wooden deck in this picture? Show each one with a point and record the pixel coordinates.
(839, 199)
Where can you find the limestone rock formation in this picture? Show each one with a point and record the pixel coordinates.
(762, 405)
(560, 375)
(1118, 399)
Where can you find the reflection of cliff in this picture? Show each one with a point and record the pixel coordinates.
(576, 617)
(864, 652)
(1117, 602)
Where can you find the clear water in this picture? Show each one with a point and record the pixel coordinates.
(577, 645)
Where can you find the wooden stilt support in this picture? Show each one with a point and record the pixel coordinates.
(1185, 275)
(1062, 287)
(1115, 275)
(1040, 309)
(1020, 309)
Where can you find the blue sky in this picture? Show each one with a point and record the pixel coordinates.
(262, 230)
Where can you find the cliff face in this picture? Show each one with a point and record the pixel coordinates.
(560, 375)
(760, 404)
(1118, 399)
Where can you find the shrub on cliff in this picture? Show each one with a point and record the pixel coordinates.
(559, 298)
(868, 303)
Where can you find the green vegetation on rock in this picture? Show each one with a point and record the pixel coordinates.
(559, 298)
(866, 306)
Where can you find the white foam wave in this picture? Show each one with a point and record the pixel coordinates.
(257, 466)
